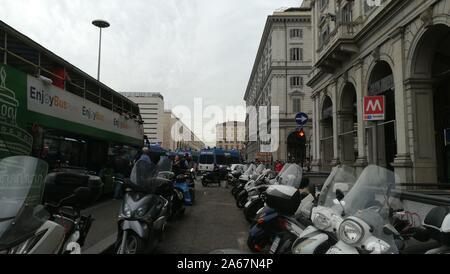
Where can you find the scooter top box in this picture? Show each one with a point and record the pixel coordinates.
(283, 199)
(62, 184)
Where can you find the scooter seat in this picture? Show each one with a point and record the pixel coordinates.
(438, 219)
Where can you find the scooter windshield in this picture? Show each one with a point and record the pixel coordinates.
(21, 190)
(165, 164)
(141, 174)
(292, 176)
(285, 167)
(250, 170)
(371, 200)
(259, 170)
(341, 178)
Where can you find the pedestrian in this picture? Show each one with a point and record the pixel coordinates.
(179, 166)
(278, 167)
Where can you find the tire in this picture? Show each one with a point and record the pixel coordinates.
(287, 240)
(252, 209)
(204, 183)
(235, 190)
(134, 245)
(242, 199)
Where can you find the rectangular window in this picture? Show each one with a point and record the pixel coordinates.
(297, 81)
(296, 105)
(297, 54)
(347, 13)
(296, 33)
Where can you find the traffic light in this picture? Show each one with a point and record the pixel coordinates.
(301, 133)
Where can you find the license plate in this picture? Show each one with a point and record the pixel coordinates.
(275, 245)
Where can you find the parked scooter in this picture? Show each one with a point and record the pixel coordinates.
(175, 195)
(291, 176)
(365, 225)
(321, 235)
(215, 177)
(190, 179)
(248, 179)
(243, 179)
(254, 188)
(436, 226)
(27, 226)
(182, 185)
(145, 210)
(235, 172)
(276, 224)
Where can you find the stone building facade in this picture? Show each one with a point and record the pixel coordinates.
(177, 136)
(278, 79)
(399, 49)
(230, 135)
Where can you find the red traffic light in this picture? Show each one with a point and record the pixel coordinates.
(301, 134)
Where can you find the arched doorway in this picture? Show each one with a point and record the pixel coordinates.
(326, 134)
(432, 62)
(382, 135)
(348, 118)
(296, 148)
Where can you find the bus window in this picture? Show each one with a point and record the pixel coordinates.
(207, 159)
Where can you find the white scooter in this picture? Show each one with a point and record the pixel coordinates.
(365, 224)
(27, 226)
(326, 215)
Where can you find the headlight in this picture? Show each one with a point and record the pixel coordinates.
(321, 222)
(300, 246)
(140, 212)
(127, 212)
(351, 232)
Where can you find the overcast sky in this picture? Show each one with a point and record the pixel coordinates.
(181, 48)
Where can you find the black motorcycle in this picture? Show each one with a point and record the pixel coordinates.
(215, 177)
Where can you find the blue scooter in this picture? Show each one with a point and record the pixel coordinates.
(181, 184)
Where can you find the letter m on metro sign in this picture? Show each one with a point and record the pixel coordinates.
(374, 108)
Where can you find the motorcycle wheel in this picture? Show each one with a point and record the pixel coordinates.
(134, 244)
(239, 189)
(234, 190)
(242, 200)
(252, 209)
(204, 183)
(286, 242)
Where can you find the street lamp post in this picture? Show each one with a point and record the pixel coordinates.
(101, 24)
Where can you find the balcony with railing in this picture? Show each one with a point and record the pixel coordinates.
(340, 43)
(338, 46)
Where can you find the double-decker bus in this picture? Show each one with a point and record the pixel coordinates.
(52, 110)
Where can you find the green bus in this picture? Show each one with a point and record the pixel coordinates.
(52, 110)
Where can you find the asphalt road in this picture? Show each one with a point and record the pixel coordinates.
(213, 223)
